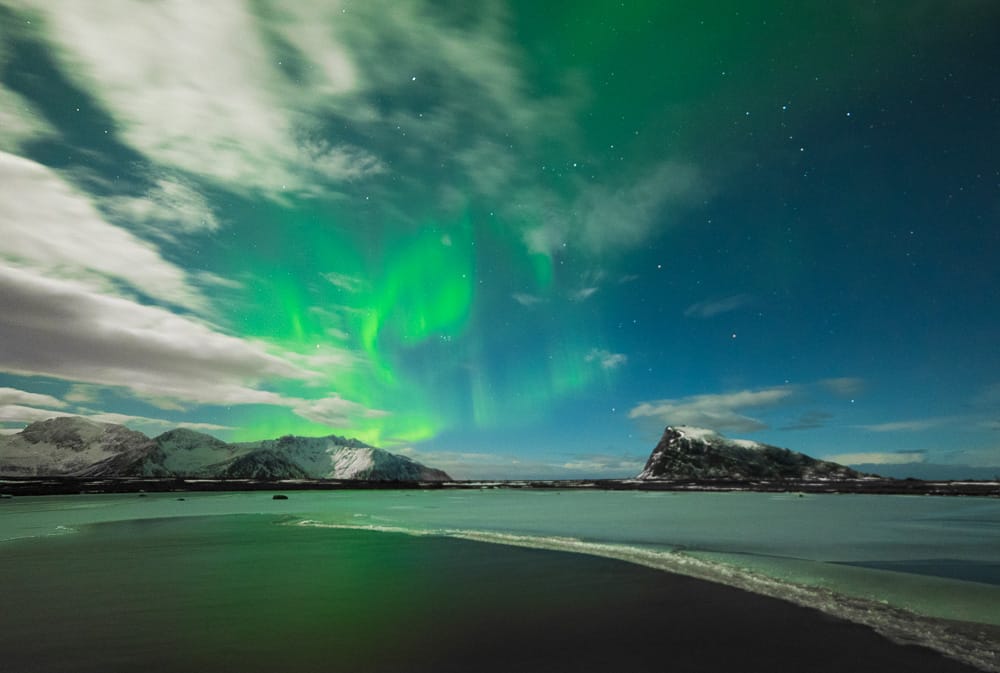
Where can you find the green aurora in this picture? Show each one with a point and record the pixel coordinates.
(514, 238)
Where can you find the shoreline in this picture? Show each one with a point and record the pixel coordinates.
(488, 610)
(971, 643)
(976, 643)
(40, 486)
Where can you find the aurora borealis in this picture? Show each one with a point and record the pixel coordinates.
(510, 239)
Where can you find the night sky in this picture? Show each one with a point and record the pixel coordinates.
(507, 239)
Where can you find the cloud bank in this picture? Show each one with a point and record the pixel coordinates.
(716, 412)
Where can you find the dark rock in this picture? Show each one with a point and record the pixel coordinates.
(263, 464)
(279, 497)
(694, 453)
(76, 447)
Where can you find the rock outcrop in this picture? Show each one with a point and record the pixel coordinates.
(695, 453)
(79, 447)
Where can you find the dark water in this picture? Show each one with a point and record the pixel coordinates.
(959, 569)
(245, 594)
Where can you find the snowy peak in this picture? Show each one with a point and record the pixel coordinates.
(691, 432)
(73, 446)
(334, 457)
(188, 440)
(697, 453)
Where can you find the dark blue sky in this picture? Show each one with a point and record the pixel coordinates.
(512, 240)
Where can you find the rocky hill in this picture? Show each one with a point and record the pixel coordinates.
(695, 453)
(78, 447)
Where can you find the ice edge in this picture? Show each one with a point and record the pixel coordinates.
(897, 624)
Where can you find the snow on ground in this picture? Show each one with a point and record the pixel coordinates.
(348, 463)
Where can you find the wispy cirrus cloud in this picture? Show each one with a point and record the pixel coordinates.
(284, 73)
(606, 219)
(171, 208)
(343, 281)
(20, 413)
(152, 424)
(19, 121)
(334, 411)
(603, 464)
(844, 386)
(583, 293)
(878, 458)
(809, 420)
(713, 307)
(714, 411)
(243, 121)
(485, 465)
(53, 229)
(16, 396)
(605, 358)
(71, 330)
(913, 425)
(11, 413)
(525, 299)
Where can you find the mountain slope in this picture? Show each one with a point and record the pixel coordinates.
(186, 453)
(334, 457)
(73, 446)
(695, 453)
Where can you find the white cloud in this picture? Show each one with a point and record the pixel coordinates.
(193, 86)
(334, 410)
(714, 307)
(606, 219)
(24, 414)
(583, 293)
(126, 419)
(473, 465)
(170, 207)
(626, 217)
(81, 393)
(15, 396)
(525, 299)
(226, 103)
(915, 425)
(215, 280)
(716, 412)
(809, 420)
(69, 330)
(16, 413)
(602, 464)
(19, 121)
(877, 458)
(844, 386)
(606, 359)
(548, 236)
(51, 228)
(343, 281)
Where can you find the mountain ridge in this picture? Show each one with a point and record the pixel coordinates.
(79, 447)
(686, 452)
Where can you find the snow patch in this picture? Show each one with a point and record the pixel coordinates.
(692, 432)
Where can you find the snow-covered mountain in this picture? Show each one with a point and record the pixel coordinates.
(696, 453)
(336, 457)
(73, 446)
